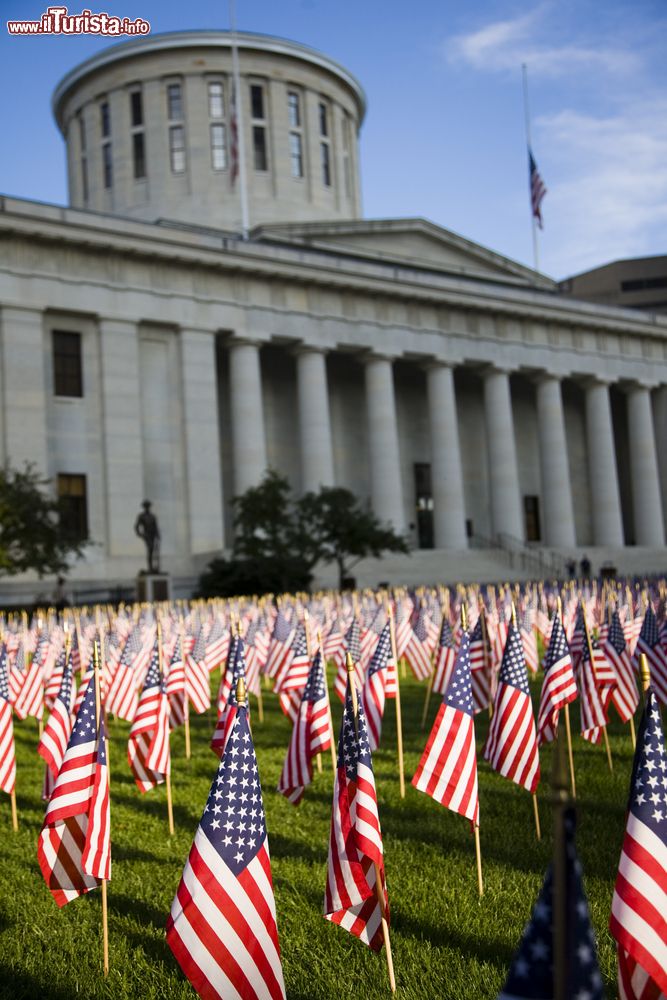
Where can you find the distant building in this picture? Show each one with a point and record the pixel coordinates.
(148, 350)
(636, 283)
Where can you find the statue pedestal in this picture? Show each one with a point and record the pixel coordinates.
(153, 587)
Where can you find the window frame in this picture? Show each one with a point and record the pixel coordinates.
(67, 364)
(175, 149)
(73, 505)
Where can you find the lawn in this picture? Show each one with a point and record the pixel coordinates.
(446, 941)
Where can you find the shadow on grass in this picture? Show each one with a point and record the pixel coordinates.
(285, 847)
(152, 806)
(137, 909)
(16, 985)
(488, 950)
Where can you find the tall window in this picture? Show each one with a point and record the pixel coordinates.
(259, 148)
(174, 102)
(295, 135)
(72, 494)
(84, 157)
(177, 149)
(347, 153)
(67, 366)
(138, 134)
(217, 127)
(325, 146)
(105, 130)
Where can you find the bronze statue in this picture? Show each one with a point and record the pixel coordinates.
(146, 527)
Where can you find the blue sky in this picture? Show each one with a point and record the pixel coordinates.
(444, 133)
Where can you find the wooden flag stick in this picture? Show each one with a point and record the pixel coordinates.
(334, 761)
(536, 811)
(590, 656)
(478, 857)
(15, 816)
(379, 885)
(633, 735)
(318, 757)
(399, 720)
(167, 777)
(568, 732)
(427, 699)
(186, 700)
(98, 720)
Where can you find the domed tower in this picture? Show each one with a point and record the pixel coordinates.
(151, 131)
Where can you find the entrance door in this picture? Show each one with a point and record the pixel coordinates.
(531, 517)
(424, 504)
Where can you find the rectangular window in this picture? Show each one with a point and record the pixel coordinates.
(257, 101)
(259, 147)
(136, 109)
(105, 120)
(67, 366)
(293, 109)
(347, 168)
(326, 164)
(218, 147)
(296, 154)
(216, 104)
(73, 498)
(84, 177)
(139, 155)
(107, 165)
(177, 149)
(174, 102)
(324, 120)
(531, 517)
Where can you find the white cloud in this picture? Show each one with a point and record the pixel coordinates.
(506, 44)
(607, 193)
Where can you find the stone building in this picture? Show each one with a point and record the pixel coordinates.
(149, 350)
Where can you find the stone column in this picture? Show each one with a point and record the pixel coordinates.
(603, 476)
(24, 388)
(248, 436)
(202, 440)
(646, 502)
(660, 427)
(447, 481)
(317, 467)
(555, 469)
(122, 434)
(383, 452)
(506, 513)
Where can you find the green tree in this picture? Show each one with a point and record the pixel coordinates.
(278, 540)
(30, 534)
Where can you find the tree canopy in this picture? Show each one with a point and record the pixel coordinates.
(31, 537)
(279, 539)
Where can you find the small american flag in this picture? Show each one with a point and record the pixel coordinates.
(511, 746)
(280, 648)
(197, 684)
(148, 745)
(292, 679)
(311, 735)
(625, 696)
(380, 684)
(351, 645)
(419, 650)
(236, 670)
(176, 685)
(217, 645)
(447, 770)
(74, 851)
(53, 742)
(121, 699)
(649, 644)
(532, 971)
(222, 926)
(30, 699)
(558, 687)
(479, 669)
(445, 657)
(537, 189)
(638, 907)
(7, 753)
(355, 842)
(227, 679)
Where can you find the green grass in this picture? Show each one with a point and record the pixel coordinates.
(446, 941)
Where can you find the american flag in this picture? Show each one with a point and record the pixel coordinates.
(197, 683)
(649, 644)
(227, 679)
(121, 698)
(531, 974)
(419, 650)
(30, 699)
(537, 189)
(334, 642)
(225, 722)
(148, 745)
(292, 679)
(52, 686)
(479, 669)
(7, 753)
(380, 684)
(591, 705)
(280, 648)
(355, 842)
(638, 908)
(311, 735)
(53, 742)
(351, 645)
(217, 645)
(558, 687)
(176, 685)
(403, 627)
(625, 696)
(447, 770)
(445, 657)
(511, 746)
(74, 851)
(222, 926)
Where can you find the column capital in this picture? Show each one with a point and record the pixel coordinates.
(245, 340)
(640, 384)
(302, 348)
(370, 355)
(489, 368)
(544, 375)
(435, 364)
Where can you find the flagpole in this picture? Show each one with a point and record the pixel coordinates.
(524, 69)
(334, 762)
(243, 190)
(98, 720)
(379, 887)
(568, 730)
(170, 808)
(318, 756)
(399, 720)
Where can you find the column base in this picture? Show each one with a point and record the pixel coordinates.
(153, 587)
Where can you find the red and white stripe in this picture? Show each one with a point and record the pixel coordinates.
(447, 770)
(625, 697)
(121, 697)
(558, 687)
(30, 698)
(148, 745)
(311, 734)
(53, 742)
(7, 752)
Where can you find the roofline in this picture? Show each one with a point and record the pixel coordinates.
(614, 263)
(212, 38)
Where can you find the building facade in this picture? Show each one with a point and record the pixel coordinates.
(636, 283)
(150, 351)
